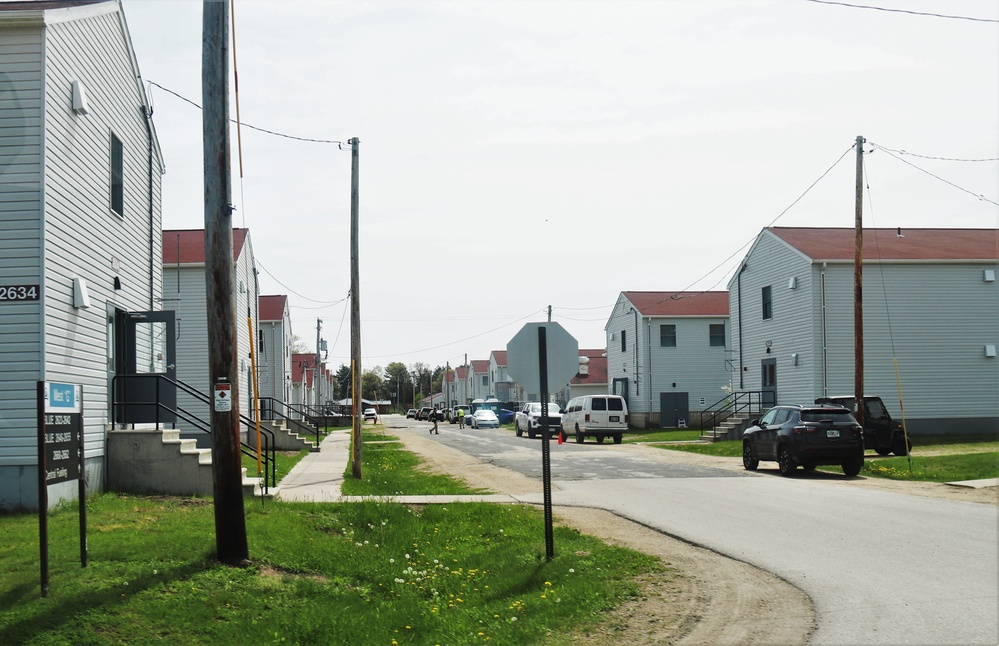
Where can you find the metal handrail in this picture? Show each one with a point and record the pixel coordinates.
(267, 436)
(270, 411)
(737, 402)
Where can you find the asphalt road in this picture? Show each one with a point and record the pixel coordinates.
(881, 567)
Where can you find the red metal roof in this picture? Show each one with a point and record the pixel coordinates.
(302, 364)
(188, 245)
(679, 303)
(462, 372)
(500, 356)
(597, 371)
(44, 5)
(893, 244)
(480, 365)
(272, 307)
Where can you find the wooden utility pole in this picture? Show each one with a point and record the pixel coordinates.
(355, 317)
(230, 524)
(858, 288)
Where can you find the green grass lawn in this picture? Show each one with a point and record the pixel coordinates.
(389, 470)
(346, 573)
(969, 457)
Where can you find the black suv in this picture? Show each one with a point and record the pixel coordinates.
(807, 435)
(881, 433)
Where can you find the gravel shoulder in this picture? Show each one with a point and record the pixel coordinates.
(711, 599)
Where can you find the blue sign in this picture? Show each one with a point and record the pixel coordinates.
(62, 397)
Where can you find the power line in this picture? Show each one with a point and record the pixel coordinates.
(313, 300)
(264, 130)
(960, 188)
(953, 159)
(914, 13)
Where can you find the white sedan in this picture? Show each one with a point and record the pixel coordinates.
(483, 418)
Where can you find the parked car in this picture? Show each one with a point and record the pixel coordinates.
(598, 415)
(881, 433)
(483, 418)
(528, 419)
(440, 414)
(412, 413)
(370, 414)
(505, 416)
(425, 413)
(805, 435)
(452, 415)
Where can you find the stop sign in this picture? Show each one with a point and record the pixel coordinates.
(523, 361)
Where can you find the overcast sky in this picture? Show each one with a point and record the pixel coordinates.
(516, 155)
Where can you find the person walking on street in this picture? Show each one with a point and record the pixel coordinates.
(461, 418)
(433, 416)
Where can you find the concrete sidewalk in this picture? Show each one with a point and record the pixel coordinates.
(318, 478)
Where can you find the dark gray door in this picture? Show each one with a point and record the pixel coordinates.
(768, 382)
(674, 407)
(146, 363)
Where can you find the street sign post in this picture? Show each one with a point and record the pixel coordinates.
(543, 356)
(60, 459)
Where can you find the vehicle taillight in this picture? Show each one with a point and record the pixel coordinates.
(625, 419)
(803, 428)
(586, 418)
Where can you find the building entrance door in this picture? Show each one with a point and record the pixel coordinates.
(146, 367)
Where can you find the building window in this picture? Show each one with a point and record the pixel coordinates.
(716, 335)
(117, 177)
(260, 342)
(667, 336)
(768, 303)
(485, 380)
(624, 342)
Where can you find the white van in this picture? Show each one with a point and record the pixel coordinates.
(597, 415)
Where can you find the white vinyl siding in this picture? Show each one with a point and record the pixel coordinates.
(932, 317)
(789, 331)
(21, 81)
(82, 237)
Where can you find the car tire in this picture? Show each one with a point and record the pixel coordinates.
(808, 466)
(579, 436)
(520, 433)
(562, 436)
(748, 461)
(600, 439)
(618, 438)
(530, 434)
(898, 445)
(852, 468)
(784, 462)
(882, 452)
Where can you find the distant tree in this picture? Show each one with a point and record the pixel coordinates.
(372, 387)
(342, 376)
(398, 381)
(298, 346)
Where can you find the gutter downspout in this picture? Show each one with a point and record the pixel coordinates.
(147, 115)
(637, 331)
(825, 344)
(739, 283)
(649, 331)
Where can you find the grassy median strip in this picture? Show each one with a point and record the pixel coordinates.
(390, 470)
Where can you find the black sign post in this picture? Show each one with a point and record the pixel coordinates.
(60, 459)
(546, 456)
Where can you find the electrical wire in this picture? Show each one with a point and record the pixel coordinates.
(914, 13)
(445, 345)
(264, 130)
(953, 159)
(684, 292)
(960, 188)
(325, 303)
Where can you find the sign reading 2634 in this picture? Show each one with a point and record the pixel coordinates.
(19, 293)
